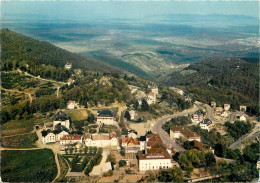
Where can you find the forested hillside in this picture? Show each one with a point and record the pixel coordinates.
(18, 50)
(223, 80)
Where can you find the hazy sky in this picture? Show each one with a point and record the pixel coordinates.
(126, 9)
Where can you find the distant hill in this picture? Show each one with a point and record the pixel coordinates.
(224, 80)
(18, 48)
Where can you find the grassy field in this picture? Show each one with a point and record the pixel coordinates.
(15, 127)
(20, 141)
(28, 166)
(77, 115)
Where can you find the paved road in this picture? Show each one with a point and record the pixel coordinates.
(157, 129)
(254, 133)
(232, 116)
(210, 111)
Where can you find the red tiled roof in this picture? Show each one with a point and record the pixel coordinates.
(71, 137)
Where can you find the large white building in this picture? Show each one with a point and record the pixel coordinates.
(156, 156)
(106, 117)
(61, 118)
(49, 136)
(151, 98)
(101, 140)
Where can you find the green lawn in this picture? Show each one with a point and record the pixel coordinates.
(77, 115)
(28, 166)
(20, 141)
(15, 127)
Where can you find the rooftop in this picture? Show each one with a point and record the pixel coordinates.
(185, 131)
(106, 113)
(61, 116)
(71, 137)
(206, 121)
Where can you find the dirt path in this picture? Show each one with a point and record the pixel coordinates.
(16, 135)
(18, 149)
(29, 94)
(58, 166)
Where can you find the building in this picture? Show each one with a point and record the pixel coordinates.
(70, 139)
(154, 89)
(197, 117)
(101, 140)
(132, 134)
(224, 114)
(213, 104)
(206, 124)
(48, 137)
(184, 132)
(202, 147)
(68, 66)
(61, 118)
(242, 108)
(226, 107)
(242, 118)
(106, 117)
(142, 141)
(70, 81)
(156, 156)
(130, 145)
(48, 126)
(104, 80)
(71, 104)
(151, 98)
(132, 114)
(219, 110)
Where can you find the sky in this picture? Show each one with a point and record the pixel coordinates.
(76, 10)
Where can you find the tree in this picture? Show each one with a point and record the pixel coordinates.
(124, 131)
(127, 115)
(144, 105)
(122, 163)
(210, 159)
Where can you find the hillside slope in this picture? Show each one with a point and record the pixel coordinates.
(224, 80)
(17, 48)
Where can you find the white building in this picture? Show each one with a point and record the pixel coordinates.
(68, 66)
(151, 98)
(60, 134)
(142, 141)
(106, 117)
(206, 124)
(48, 137)
(156, 156)
(226, 107)
(70, 81)
(224, 114)
(71, 104)
(242, 118)
(132, 134)
(132, 114)
(70, 139)
(101, 140)
(61, 118)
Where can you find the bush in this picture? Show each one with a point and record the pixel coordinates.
(122, 163)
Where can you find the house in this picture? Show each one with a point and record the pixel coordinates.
(132, 134)
(133, 88)
(68, 66)
(242, 118)
(59, 134)
(104, 80)
(48, 137)
(242, 108)
(224, 114)
(101, 140)
(197, 117)
(156, 156)
(184, 132)
(206, 124)
(61, 118)
(226, 107)
(142, 141)
(71, 104)
(70, 139)
(151, 98)
(70, 81)
(219, 110)
(132, 114)
(177, 90)
(202, 147)
(213, 104)
(48, 126)
(130, 145)
(154, 89)
(106, 117)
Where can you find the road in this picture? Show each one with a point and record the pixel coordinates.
(58, 166)
(210, 111)
(254, 133)
(232, 116)
(157, 129)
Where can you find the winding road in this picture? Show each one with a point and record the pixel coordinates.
(157, 128)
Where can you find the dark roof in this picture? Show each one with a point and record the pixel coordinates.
(132, 131)
(61, 116)
(142, 138)
(105, 113)
(45, 133)
(206, 121)
(198, 113)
